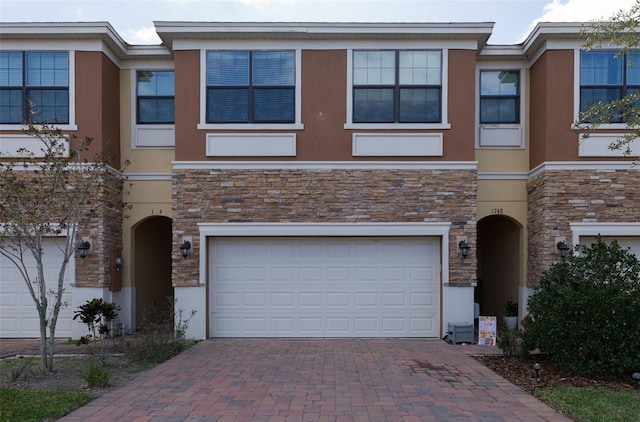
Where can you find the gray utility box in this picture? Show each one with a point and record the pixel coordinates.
(460, 332)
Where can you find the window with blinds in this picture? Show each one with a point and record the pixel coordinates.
(250, 86)
(34, 87)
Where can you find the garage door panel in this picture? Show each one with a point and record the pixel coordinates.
(18, 314)
(310, 274)
(365, 299)
(365, 274)
(310, 326)
(315, 287)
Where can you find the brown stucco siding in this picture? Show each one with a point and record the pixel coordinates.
(97, 104)
(324, 110)
(558, 198)
(459, 141)
(324, 107)
(111, 111)
(551, 111)
(190, 142)
(343, 196)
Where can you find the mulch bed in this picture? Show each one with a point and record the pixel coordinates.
(519, 370)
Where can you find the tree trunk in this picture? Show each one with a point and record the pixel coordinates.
(52, 339)
(43, 342)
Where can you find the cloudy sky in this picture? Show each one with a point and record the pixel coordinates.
(133, 19)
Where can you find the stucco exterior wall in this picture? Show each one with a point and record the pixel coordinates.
(551, 108)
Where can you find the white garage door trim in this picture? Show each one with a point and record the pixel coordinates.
(18, 314)
(604, 229)
(324, 286)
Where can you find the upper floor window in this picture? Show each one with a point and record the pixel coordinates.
(34, 86)
(606, 75)
(499, 96)
(251, 86)
(156, 97)
(397, 86)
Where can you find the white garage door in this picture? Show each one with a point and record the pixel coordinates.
(18, 314)
(626, 242)
(324, 287)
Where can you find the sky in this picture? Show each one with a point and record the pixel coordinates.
(133, 19)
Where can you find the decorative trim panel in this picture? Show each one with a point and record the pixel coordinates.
(398, 144)
(251, 145)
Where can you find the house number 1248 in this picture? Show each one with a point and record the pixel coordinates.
(496, 210)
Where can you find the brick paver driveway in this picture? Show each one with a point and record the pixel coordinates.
(318, 380)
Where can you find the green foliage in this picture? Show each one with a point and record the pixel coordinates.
(511, 309)
(37, 405)
(95, 374)
(160, 335)
(586, 312)
(510, 341)
(20, 369)
(98, 315)
(593, 404)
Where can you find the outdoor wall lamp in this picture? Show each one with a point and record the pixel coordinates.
(636, 379)
(184, 248)
(83, 248)
(119, 263)
(536, 369)
(563, 248)
(464, 248)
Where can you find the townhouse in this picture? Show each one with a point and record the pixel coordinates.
(325, 179)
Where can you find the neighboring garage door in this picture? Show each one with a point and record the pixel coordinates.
(18, 314)
(625, 242)
(324, 287)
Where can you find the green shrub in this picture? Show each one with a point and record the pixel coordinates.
(510, 341)
(98, 315)
(161, 335)
(95, 374)
(586, 312)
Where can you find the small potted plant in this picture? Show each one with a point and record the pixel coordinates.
(511, 314)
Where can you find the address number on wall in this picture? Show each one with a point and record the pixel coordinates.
(496, 211)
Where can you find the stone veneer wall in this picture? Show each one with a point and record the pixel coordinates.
(105, 232)
(557, 198)
(345, 196)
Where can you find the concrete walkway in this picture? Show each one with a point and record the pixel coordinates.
(319, 380)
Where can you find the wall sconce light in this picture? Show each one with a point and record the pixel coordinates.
(563, 248)
(464, 248)
(185, 248)
(119, 263)
(83, 248)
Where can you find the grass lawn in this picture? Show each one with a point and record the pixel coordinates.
(593, 404)
(35, 405)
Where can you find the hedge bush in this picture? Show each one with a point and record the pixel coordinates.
(585, 315)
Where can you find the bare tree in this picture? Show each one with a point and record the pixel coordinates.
(54, 192)
(621, 33)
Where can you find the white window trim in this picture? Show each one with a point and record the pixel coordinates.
(135, 127)
(72, 94)
(413, 126)
(297, 125)
(519, 126)
(427, 229)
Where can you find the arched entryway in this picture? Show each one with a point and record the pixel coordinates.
(498, 263)
(152, 273)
